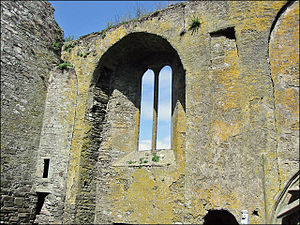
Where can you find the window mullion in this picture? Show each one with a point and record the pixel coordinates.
(155, 109)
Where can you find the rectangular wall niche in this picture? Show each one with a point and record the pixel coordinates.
(228, 32)
(46, 168)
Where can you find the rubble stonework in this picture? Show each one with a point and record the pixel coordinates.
(28, 30)
(69, 137)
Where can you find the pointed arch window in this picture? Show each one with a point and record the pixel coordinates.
(156, 103)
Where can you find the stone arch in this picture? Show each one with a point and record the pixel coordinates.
(286, 208)
(284, 57)
(115, 108)
(278, 16)
(128, 59)
(284, 66)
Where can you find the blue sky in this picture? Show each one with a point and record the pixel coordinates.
(78, 18)
(164, 110)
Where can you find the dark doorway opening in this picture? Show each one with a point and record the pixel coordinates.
(219, 217)
(40, 201)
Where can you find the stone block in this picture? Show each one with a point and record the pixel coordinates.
(8, 209)
(18, 201)
(8, 203)
(22, 215)
(8, 199)
(14, 219)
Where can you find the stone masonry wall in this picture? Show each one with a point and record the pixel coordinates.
(55, 142)
(235, 115)
(230, 153)
(28, 30)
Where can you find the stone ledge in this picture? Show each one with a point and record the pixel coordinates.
(145, 158)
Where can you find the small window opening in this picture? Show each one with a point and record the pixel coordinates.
(156, 103)
(46, 168)
(40, 201)
(164, 109)
(146, 115)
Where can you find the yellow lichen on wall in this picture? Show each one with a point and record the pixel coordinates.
(223, 131)
(284, 62)
(229, 76)
(213, 198)
(147, 199)
(178, 135)
(234, 106)
(80, 127)
(253, 15)
(113, 37)
(288, 98)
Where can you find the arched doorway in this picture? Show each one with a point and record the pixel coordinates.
(219, 217)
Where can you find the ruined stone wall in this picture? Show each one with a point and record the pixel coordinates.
(55, 141)
(225, 144)
(234, 119)
(28, 30)
(284, 63)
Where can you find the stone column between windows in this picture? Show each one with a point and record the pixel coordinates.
(155, 108)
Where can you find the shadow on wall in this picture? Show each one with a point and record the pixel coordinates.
(129, 58)
(219, 217)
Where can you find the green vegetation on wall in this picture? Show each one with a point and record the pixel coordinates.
(194, 25)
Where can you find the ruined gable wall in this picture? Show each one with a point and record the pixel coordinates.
(28, 30)
(230, 151)
(230, 138)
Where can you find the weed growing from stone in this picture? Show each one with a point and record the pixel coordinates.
(65, 65)
(156, 13)
(139, 12)
(69, 46)
(109, 25)
(69, 38)
(194, 25)
(57, 45)
(84, 55)
(155, 158)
